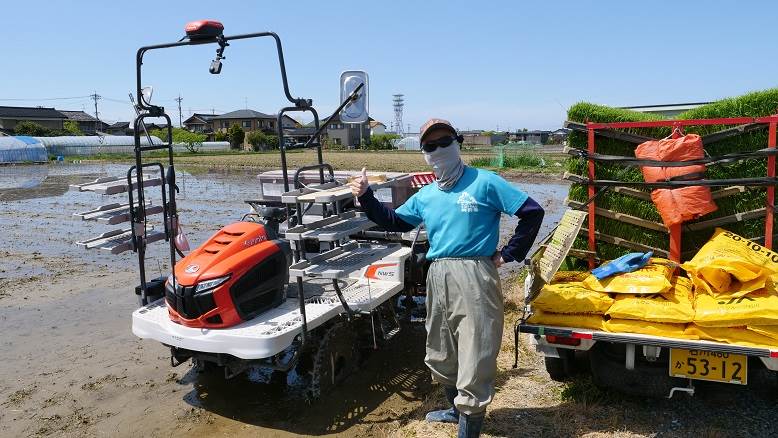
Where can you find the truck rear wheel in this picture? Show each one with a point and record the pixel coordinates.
(562, 367)
(648, 379)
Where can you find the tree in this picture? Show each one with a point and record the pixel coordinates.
(32, 129)
(260, 141)
(382, 141)
(220, 136)
(192, 141)
(71, 127)
(236, 134)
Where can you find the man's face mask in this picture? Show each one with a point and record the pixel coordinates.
(445, 162)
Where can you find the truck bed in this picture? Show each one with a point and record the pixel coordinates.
(640, 339)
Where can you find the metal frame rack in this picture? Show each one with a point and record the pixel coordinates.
(739, 126)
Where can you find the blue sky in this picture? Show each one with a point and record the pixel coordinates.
(483, 65)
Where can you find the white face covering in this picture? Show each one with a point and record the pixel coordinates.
(446, 164)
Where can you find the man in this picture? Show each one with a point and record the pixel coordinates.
(461, 213)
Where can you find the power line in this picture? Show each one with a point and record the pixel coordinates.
(21, 99)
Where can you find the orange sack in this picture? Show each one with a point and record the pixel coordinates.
(685, 148)
(683, 204)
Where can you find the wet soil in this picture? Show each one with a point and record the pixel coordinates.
(71, 366)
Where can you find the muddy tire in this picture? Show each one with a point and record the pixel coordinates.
(336, 358)
(563, 367)
(646, 380)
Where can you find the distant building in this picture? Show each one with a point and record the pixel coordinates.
(351, 135)
(475, 139)
(670, 110)
(376, 127)
(302, 134)
(478, 138)
(532, 137)
(119, 128)
(559, 136)
(250, 120)
(86, 123)
(10, 116)
(200, 123)
(126, 128)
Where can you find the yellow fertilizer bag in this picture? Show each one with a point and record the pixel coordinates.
(731, 265)
(571, 298)
(673, 306)
(667, 330)
(771, 331)
(589, 321)
(732, 335)
(654, 278)
(756, 308)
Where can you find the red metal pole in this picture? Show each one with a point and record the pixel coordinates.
(675, 243)
(592, 191)
(770, 202)
(675, 230)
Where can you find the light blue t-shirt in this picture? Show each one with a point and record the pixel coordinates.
(464, 221)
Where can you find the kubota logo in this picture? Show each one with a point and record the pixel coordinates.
(254, 241)
(191, 269)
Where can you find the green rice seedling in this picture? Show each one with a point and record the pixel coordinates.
(756, 104)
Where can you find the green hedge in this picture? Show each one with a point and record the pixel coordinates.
(754, 104)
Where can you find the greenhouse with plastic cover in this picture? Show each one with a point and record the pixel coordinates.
(22, 149)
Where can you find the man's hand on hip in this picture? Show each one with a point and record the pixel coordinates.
(359, 185)
(497, 259)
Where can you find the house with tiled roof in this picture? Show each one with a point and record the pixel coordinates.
(10, 116)
(250, 120)
(200, 123)
(86, 123)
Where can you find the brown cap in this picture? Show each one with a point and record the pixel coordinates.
(435, 124)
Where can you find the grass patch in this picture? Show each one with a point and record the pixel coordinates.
(380, 161)
(583, 390)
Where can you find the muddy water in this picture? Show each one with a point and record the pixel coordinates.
(72, 367)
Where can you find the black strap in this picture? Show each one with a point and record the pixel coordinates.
(708, 161)
(764, 181)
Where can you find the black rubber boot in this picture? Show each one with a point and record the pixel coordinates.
(470, 425)
(450, 415)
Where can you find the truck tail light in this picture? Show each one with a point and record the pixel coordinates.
(563, 340)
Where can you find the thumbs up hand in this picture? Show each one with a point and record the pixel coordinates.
(359, 185)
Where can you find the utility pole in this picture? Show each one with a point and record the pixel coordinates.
(96, 97)
(180, 119)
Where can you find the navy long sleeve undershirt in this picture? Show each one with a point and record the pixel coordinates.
(382, 215)
(530, 216)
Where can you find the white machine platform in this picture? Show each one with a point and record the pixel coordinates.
(273, 331)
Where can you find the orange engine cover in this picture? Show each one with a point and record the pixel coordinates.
(232, 277)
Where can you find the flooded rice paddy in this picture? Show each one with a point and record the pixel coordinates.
(71, 366)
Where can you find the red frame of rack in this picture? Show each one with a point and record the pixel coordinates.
(675, 231)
